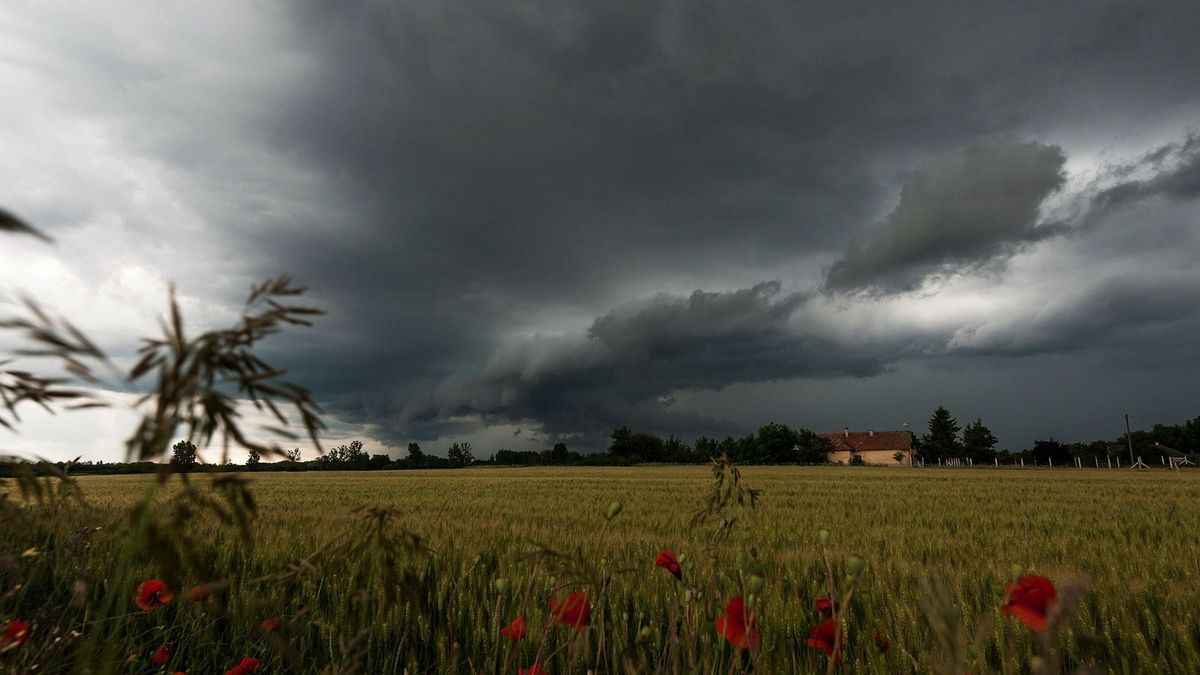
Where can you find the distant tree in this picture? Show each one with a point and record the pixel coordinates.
(416, 457)
(676, 451)
(942, 439)
(459, 455)
(644, 447)
(622, 443)
(742, 450)
(349, 456)
(811, 448)
(978, 442)
(899, 457)
(705, 449)
(293, 455)
(379, 461)
(1051, 450)
(356, 456)
(183, 455)
(559, 454)
(253, 458)
(777, 444)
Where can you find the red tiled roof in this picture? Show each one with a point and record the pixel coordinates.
(859, 441)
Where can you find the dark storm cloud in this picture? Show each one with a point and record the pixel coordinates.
(957, 214)
(497, 161)
(623, 369)
(450, 176)
(502, 162)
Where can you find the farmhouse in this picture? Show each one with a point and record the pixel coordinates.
(873, 447)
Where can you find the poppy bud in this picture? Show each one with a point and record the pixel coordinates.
(855, 565)
(755, 584)
(998, 589)
(478, 559)
(1018, 570)
(646, 633)
(614, 508)
(823, 536)
(501, 585)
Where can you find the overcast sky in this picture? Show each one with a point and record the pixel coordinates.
(536, 221)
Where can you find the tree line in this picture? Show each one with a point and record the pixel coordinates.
(976, 442)
(773, 443)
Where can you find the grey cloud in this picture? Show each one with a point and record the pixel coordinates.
(958, 213)
(633, 357)
(1107, 313)
(1175, 175)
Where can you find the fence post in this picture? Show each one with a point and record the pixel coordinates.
(1051, 461)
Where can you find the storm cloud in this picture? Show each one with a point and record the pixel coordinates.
(559, 217)
(960, 213)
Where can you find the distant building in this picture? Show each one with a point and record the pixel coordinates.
(873, 447)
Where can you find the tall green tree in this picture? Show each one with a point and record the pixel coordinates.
(777, 443)
(183, 455)
(978, 442)
(942, 440)
(559, 454)
(641, 446)
(460, 455)
(416, 456)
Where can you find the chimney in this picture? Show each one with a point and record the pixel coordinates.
(871, 433)
(846, 432)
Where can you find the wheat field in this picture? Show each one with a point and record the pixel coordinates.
(425, 581)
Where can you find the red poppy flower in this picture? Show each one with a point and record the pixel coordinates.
(247, 665)
(515, 631)
(268, 625)
(16, 632)
(574, 611)
(736, 626)
(883, 643)
(161, 655)
(199, 593)
(1029, 599)
(670, 563)
(825, 607)
(152, 594)
(535, 669)
(824, 637)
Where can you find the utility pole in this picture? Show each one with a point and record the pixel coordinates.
(1129, 438)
